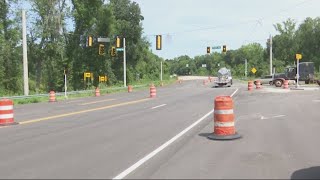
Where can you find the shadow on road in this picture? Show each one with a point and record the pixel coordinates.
(307, 173)
(204, 134)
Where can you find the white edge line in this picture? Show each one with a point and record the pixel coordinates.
(159, 106)
(163, 146)
(278, 116)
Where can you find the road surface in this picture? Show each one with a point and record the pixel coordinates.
(105, 137)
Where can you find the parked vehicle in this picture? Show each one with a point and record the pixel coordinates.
(224, 78)
(306, 73)
(267, 79)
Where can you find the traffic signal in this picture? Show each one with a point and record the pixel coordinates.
(224, 48)
(101, 49)
(90, 40)
(113, 51)
(118, 42)
(158, 42)
(208, 50)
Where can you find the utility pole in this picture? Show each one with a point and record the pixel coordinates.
(124, 63)
(25, 56)
(161, 72)
(270, 44)
(246, 67)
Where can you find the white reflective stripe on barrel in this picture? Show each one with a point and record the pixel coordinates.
(8, 107)
(6, 116)
(229, 111)
(224, 124)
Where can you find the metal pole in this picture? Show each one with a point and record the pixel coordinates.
(25, 56)
(124, 63)
(65, 85)
(297, 73)
(246, 68)
(161, 71)
(270, 54)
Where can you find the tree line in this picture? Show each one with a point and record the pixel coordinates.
(290, 40)
(57, 41)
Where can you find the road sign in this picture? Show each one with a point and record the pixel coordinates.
(87, 74)
(103, 39)
(119, 49)
(253, 70)
(204, 65)
(216, 47)
(298, 56)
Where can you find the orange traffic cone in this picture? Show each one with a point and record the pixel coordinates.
(224, 126)
(153, 91)
(6, 112)
(52, 96)
(97, 92)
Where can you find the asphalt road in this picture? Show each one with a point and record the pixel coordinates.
(101, 137)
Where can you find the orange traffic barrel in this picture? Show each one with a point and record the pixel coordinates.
(180, 81)
(52, 96)
(153, 91)
(6, 112)
(204, 82)
(286, 84)
(129, 88)
(97, 92)
(250, 85)
(258, 84)
(224, 125)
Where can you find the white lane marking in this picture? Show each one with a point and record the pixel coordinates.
(316, 100)
(278, 116)
(163, 146)
(158, 106)
(234, 92)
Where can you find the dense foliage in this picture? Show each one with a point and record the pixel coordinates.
(291, 39)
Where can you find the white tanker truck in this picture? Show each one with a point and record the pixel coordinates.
(224, 78)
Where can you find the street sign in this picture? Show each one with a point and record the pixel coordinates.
(298, 56)
(216, 47)
(253, 70)
(103, 39)
(87, 74)
(204, 65)
(119, 49)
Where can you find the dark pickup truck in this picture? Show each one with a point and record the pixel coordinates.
(306, 73)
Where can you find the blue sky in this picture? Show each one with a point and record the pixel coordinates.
(189, 26)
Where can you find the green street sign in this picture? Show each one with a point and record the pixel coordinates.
(216, 47)
(119, 49)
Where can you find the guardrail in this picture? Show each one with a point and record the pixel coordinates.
(68, 93)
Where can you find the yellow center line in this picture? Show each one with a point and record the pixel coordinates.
(84, 111)
(96, 102)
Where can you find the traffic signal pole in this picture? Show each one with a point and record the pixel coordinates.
(270, 54)
(25, 56)
(124, 63)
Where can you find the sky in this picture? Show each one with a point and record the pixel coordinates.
(188, 27)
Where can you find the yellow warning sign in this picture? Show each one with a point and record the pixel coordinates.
(253, 70)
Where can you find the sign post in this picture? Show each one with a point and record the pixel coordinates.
(65, 84)
(298, 57)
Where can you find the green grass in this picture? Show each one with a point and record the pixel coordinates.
(142, 85)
